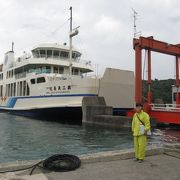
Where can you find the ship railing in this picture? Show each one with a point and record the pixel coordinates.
(78, 60)
(165, 107)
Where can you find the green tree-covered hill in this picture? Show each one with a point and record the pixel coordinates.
(161, 89)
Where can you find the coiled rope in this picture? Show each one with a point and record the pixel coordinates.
(57, 163)
(61, 163)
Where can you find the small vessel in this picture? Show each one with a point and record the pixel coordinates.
(51, 80)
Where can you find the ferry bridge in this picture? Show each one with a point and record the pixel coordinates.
(169, 113)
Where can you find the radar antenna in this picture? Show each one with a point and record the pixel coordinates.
(135, 14)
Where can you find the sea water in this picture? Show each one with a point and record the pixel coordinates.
(22, 138)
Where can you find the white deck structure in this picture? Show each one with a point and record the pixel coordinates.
(42, 79)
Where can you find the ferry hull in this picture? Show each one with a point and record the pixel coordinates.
(71, 115)
(64, 108)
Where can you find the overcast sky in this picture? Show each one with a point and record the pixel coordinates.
(106, 29)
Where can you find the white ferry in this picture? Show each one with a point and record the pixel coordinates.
(42, 82)
(50, 80)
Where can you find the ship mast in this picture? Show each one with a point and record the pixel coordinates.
(135, 14)
(73, 32)
(70, 44)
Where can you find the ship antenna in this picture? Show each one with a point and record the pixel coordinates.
(12, 46)
(70, 43)
(135, 14)
(73, 32)
(70, 19)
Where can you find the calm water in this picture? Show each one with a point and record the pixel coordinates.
(26, 139)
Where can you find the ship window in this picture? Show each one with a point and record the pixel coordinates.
(43, 69)
(55, 69)
(76, 55)
(14, 91)
(24, 88)
(64, 54)
(38, 70)
(56, 53)
(75, 71)
(36, 54)
(20, 88)
(49, 53)
(81, 72)
(1, 76)
(28, 90)
(41, 80)
(54, 88)
(1, 90)
(11, 73)
(32, 81)
(73, 55)
(11, 89)
(48, 69)
(43, 53)
(61, 70)
(69, 87)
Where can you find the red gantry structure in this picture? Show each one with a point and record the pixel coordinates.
(162, 113)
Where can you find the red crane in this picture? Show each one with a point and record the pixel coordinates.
(167, 115)
(151, 44)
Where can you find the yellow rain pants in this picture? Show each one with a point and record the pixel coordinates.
(140, 141)
(140, 146)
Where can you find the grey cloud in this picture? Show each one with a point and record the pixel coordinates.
(30, 22)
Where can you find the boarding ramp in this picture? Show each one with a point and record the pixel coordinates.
(117, 87)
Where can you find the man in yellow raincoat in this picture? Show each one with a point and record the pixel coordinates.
(140, 140)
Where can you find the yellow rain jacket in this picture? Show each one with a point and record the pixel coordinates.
(144, 117)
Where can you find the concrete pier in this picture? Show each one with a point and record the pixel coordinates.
(160, 163)
(95, 111)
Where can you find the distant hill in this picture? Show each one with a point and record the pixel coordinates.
(161, 89)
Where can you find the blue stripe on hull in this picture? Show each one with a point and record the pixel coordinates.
(12, 100)
(59, 95)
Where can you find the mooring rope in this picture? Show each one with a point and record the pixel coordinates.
(57, 163)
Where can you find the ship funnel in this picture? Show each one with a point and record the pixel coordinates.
(8, 60)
